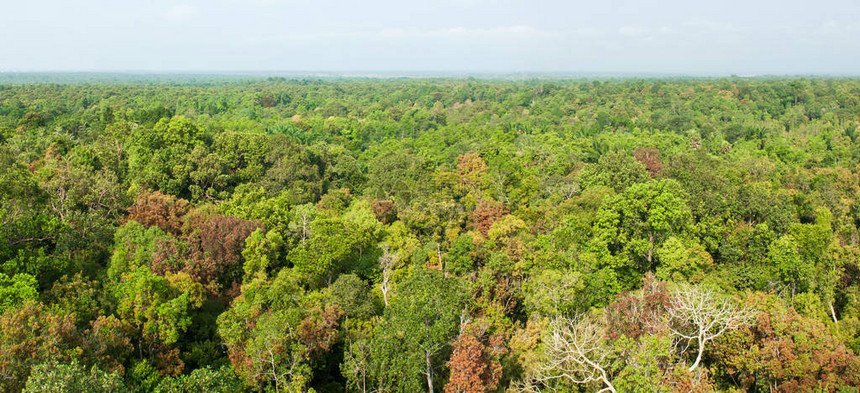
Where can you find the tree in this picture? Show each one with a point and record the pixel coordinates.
(136, 246)
(634, 224)
(785, 351)
(409, 343)
(16, 290)
(575, 351)
(650, 158)
(273, 333)
(639, 313)
(204, 380)
(789, 266)
(216, 244)
(474, 365)
(387, 264)
(30, 335)
(157, 308)
(262, 253)
(485, 214)
(682, 260)
(554, 292)
(699, 316)
(107, 343)
(617, 170)
(53, 377)
(177, 130)
(330, 245)
(157, 209)
(352, 295)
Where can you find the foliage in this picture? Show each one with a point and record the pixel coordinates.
(249, 234)
(52, 377)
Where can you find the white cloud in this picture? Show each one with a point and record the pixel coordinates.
(500, 33)
(180, 13)
(714, 27)
(463, 34)
(633, 31)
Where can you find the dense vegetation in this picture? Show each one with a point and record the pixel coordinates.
(413, 235)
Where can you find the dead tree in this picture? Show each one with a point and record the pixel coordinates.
(699, 316)
(575, 350)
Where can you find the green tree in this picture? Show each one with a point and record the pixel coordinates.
(16, 290)
(633, 225)
(411, 342)
(203, 380)
(156, 307)
(617, 170)
(53, 377)
(681, 260)
(330, 245)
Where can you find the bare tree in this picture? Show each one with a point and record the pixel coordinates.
(387, 262)
(575, 350)
(699, 315)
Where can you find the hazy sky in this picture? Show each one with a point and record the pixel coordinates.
(689, 36)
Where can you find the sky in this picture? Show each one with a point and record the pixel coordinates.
(690, 37)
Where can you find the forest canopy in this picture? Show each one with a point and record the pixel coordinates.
(404, 235)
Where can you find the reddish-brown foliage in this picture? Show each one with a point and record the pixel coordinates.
(165, 257)
(267, 101)
(636, 313)
(161, 210)
(485, 214)
(471, 167)
(319, 331)
(107, 343)
(216, 243)
(650, 157)
(385, 210)
(30, 335)
(787, 352)
(679, 379)
(167, 360)
(474, 365)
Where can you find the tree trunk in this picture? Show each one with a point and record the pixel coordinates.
(832, 311)
(428, 370)
(384, 288)
(609, 386)
(699, 356)
(439, 258)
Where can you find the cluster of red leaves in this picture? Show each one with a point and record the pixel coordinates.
(319, 331)
(385, 210)
(470, 168)
(267, 101)
(213, 255)
(485, 214)
(638, 313)
(161, 210)
(787, 352)
(679, 379)
(650, 158)
(474, 365)
(215, 246)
